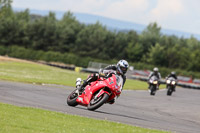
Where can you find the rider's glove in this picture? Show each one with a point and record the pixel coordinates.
(102, 74)
(109, 75)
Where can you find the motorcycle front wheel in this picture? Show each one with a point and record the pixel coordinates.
(71, 99)
(169, 91)
(152, 90)
(95, 103)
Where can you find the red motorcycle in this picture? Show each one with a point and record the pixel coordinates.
(104, 90)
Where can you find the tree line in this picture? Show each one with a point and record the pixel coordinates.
(68, 36)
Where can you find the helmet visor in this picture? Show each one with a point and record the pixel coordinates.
(124, 69)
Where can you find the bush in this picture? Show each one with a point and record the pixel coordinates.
(29, 54)
(3, 50)
(69, 58)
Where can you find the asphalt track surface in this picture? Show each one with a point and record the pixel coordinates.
(177, 113)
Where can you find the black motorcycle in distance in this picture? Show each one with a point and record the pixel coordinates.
(153, 85)
(170, 85)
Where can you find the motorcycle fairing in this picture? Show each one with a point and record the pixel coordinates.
(86, 96)
(100, 84)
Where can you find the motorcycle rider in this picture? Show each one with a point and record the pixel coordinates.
(154, 73)
(172, 74)
(120, 68)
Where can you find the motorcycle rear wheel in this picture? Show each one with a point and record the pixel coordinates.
(96, 103)
(71, 99)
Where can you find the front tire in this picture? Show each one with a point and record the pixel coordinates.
(153, 90)
(96, 103)
(169, 91)
(71, 99)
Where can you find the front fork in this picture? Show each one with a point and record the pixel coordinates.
(171, 86)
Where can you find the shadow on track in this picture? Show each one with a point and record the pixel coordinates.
(114, 114)
(121, 115)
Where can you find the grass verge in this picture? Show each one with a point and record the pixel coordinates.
(15, 119)
(38, 73)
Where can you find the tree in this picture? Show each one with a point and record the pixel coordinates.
(90, 40)
(68, 28)
(194, 63)
(22, 20)
(150, 36)
(5, 6)
(184, 58)
(132, 36)
(178, 57)
(168, 41)
(118, 47)
(6, 21)
(156, 55)
(134, 51)
(193, 43)
(43, 33)
(13, 28)
(172, 56)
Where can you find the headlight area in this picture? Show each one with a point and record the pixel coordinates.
(155, 82)
(173, 82)
(168, 81)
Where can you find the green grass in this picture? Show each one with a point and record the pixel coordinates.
(138, 85)
(38, 73)
(15, 119)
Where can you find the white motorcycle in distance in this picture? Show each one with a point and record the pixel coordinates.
(153, 85)
(170, 85)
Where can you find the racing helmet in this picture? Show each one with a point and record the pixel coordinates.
(155, 70)
(122, 67)
(173, 73)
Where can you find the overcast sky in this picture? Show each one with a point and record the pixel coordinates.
(182, 15)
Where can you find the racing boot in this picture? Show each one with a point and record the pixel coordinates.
(81, 88)
(112, 101)
(78, 82)
(149, 88)
(157, 87)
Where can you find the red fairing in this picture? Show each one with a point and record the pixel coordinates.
(100, 84)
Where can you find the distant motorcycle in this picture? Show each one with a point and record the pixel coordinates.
(153, 81)
(170, 85)
(97, 93)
